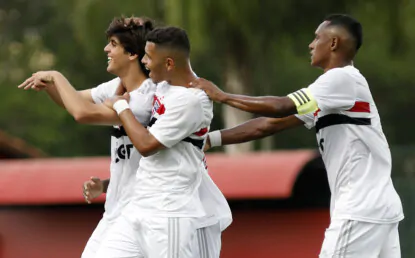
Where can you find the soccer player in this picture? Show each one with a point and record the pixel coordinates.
(365, 208)
(168, 215)
(125, 49)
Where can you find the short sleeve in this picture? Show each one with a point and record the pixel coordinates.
(183, 116)
(105, 90)
(308, 120)
(334, 90)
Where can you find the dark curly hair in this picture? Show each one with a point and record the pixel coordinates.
(132, 33)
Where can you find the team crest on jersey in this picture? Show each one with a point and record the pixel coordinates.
(158, 109)
(158, 106)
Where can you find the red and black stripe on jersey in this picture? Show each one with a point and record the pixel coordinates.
(337, 119)
(159, 109)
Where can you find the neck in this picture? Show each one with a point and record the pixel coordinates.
(132, 78)
(183, 76)
(336, 63)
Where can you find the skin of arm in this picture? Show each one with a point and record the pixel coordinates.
(105, 184)
(268, 106)
(142, 139)
(255, 129)
(80, 104)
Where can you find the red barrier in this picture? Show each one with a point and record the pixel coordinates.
(59, 181)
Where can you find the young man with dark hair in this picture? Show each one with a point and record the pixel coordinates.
(176, 210)
(365, 208)
(125, 48)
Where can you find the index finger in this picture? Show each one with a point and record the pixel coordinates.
(26, 83)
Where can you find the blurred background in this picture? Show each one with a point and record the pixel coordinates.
(248, 47)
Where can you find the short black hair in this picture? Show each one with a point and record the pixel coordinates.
(350, 24)
(171, 37)
(132, 33)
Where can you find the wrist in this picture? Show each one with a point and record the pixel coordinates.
(224, 97)
(105, 184)
(215, 138)
(120, 105)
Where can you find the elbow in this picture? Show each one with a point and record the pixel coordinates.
(81, 117)
(145, 154)
(145, 151)
(266, 127)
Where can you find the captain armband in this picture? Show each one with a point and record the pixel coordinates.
(304, 101)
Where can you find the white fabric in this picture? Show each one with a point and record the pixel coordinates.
(215, 138)
(160, 237)
(121, 105)
(124, 157)
(214, 203)
(357, 157)
(96, 238)
(357, 239)
(169, 179)
(105, 90)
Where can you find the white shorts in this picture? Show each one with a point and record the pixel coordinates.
(96, 238)
(160, 237)
(357, 239)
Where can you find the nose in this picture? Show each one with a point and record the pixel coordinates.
(107, 48)
(311, 45)
(144, 60)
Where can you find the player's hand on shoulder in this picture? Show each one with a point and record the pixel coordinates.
(38, 81)
(110, 101)
(92, 188)
(210, 88)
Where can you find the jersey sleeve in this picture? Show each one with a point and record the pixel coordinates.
(105, 90)
(308, 120)
(182, 117)
(334, 90)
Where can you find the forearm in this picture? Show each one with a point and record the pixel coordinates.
(266, 106)
(257, 128)
(81, 109)
(105, 184)
(68, 95)
(54, 94)
(251, 130)
(138, 134)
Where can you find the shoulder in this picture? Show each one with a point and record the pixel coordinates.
(181, 96)
(337, 74)
(148, 87)
(111, 83)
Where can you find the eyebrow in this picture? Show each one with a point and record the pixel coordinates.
(147, 54)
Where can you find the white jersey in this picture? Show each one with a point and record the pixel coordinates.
(354, 148)
(124, 157)
(168, 181)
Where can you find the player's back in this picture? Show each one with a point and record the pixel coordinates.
(356, 153)
(124, 156)
(169, 179)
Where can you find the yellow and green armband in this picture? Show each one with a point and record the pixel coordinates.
(304, 101)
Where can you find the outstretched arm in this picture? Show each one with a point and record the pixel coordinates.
(50, 88)
(252, 130)
(79, 104)
(271, 106)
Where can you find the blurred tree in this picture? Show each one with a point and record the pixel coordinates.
(248, 47)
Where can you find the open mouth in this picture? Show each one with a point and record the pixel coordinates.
(109, 60)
